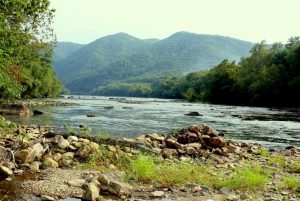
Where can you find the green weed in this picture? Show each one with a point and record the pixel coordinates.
(279, 159)
(264, 152)
(248, 177)
(295, 167)
(292, 183)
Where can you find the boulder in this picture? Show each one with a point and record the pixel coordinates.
(62, 143)
(172, 143)
(26, 155)
(76, 182)
(39, 149)
(92, 192)
(218, 142)
(84, 150)
(72, 138)
(112, 183)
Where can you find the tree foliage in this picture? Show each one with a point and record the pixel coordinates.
(270, 76)
(25, 49)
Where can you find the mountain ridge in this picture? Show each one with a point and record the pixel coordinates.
(121, 57)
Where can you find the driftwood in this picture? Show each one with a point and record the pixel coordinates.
(124, 142)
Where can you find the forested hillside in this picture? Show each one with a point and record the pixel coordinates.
(270, 76)
(123, 61)
(26, 41)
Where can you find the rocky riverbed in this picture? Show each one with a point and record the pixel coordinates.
(53, 163)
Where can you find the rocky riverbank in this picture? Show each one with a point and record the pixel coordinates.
(23, 108)
(66, 165)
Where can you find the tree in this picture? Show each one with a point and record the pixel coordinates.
(26, 37)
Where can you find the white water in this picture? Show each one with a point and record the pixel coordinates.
(163, 116)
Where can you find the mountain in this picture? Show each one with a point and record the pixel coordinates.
(65, 49)
(124, 58)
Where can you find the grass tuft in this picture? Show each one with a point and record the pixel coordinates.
(280, 160)
(264, 152)
(292, 183)
(248, 177)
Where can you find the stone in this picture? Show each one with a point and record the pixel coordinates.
(218, 142)
(112, 182)
(39, 149)
(169, 153)
(26, 155)
(47, 198)
(76, 182)
(5, 172)
(63, 143)
(155, 137)
(84, 151)
(92, 115)
(92, 192)
(195, 129)
(58, 138)
(190, 150)
(84, 140)
(157, 194)
(65, 162)
(35, 165)
(127, 149)
(50, 163)
(173, 144)
(56, 157)
(111, 148)
(72, 138)
(94, 145)
(193, 114)
(192, 137)
(225, 191)
(68, 155)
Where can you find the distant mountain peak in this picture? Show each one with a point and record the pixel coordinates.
(122, 57)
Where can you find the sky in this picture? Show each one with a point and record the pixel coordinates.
(83, 21)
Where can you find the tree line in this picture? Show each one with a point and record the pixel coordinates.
(270, 76)
(26, 43)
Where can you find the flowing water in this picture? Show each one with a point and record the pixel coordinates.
(129, 117)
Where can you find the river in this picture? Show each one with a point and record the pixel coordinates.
(129, 117)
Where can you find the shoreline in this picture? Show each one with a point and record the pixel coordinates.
(195, 146)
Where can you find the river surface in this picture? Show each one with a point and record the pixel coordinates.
(129, 117)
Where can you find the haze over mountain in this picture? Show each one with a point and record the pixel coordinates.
(124, 58)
